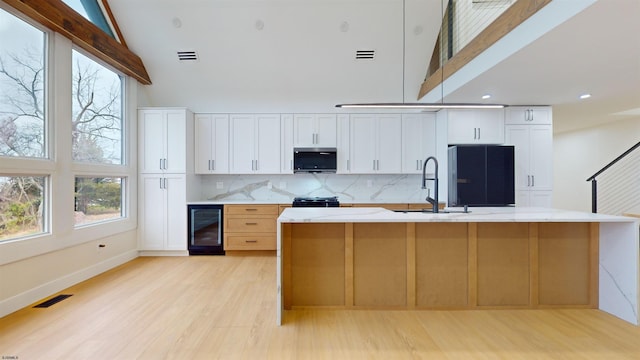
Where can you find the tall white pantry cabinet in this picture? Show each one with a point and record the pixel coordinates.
(166, 173)
(530, 130)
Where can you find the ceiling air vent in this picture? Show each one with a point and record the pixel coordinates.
(187, 56)
(365, 54)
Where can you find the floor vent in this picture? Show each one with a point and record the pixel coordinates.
(187, 56)
(54, 300)
(365, 54)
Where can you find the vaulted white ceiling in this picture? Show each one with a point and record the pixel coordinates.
(299, 56)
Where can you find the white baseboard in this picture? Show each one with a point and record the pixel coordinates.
(163, 253)
(26, 298)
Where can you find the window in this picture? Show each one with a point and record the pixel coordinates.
(97, 112)
(22, 210)
(22, 85)
(92, 11)
(98, 199)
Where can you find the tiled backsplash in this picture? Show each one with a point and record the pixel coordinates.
(283, 188)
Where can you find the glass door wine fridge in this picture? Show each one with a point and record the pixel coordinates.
(205, 229)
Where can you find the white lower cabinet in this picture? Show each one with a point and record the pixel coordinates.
(536, 198)
(162, 215)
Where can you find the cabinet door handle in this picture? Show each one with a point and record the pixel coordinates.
(478, 133)
(417, 161)
(160, 165)
(377, 164)
(348, 166)
(374, 164)
(213, 164)
(251, 223)
(251, 241)
(475, 133)
(160, 183)
(291, 164)
(533, 181)
(251, 209)
(528, 180)
(257, 165)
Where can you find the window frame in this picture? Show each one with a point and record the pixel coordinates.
(60, 168)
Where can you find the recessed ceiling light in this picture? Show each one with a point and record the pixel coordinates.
(486, 96)
(585, 96)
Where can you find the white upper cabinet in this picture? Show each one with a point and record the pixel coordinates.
(418, 140)
(255, 143)
(163, 139)
(286, 150)
(315, 130)
(532, 115)
(467, 126)
(375, 143)
(212, 144)
(343, 156)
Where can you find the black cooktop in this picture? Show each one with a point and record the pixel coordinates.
(330, 201)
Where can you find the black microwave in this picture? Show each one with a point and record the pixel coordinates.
(314, 160)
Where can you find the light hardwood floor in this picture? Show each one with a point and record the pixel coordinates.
(214, 307)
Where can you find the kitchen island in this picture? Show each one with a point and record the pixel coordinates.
(489, 258)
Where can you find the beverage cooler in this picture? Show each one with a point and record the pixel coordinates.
(205, 224)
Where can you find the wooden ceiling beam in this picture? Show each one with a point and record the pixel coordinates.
(58, 17)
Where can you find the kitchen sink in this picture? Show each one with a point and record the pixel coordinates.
(428, 211)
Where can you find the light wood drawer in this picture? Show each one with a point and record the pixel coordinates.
(251, 209)
(250, 242)
(251, 225)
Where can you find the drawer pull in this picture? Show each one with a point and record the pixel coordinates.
(251, 209)
(251, 241)
(251, 223)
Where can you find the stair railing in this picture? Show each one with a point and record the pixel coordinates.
(594, 182)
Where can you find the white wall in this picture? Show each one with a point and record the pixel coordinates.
(39, 266)
(579, 154)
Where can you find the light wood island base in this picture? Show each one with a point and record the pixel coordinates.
(432, 265)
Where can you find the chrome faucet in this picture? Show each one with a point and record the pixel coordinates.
(433, 201)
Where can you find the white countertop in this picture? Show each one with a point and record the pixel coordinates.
(480, 214)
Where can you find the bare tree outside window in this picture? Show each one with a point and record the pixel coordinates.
(97, 112)
(96, 122)
(22, 80)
